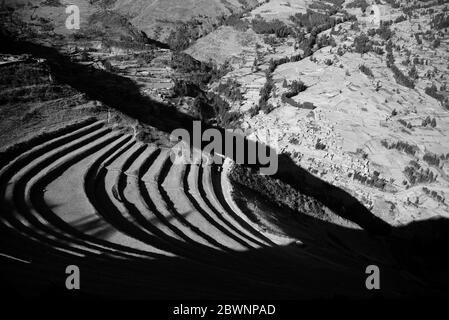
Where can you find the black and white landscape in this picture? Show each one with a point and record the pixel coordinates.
(224, 149)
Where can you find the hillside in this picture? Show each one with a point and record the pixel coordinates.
(157, 18)
(348, 100)
(369, 121)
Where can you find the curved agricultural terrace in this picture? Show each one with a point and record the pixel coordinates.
(139, 226)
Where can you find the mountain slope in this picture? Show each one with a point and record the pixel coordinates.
(158, 17)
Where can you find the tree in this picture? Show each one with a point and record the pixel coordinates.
(413, 73)
(436, 43)
(362, 44)
(433, 123)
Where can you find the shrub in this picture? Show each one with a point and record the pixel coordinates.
(367, 71)
(429, 121)
(400, 146)
(384, 32)
(325, 41)
(440, 21)
(436, 43)
(433, 92)
(277, 27)
(401, 78)
(312, 19)
(200, 73)
(265, 94)
(273, 64)
(295, 88)
(413, 73)
(415, 174)
(229, 118)
(398, 75)
(202, 109)
(319, 145)
(406, 124)
(221, 110)
(185, 88)
(400, 19)
(372, 180)
(230, 89)
(432, 159)
(181, 38)
(379, 50)
(362, 44)
(418, 39)
(434, 195)
(235, 20)
(362, 4)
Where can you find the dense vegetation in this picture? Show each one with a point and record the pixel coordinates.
(280, 193)
(434, 195)
(415, 174)
(429, 122)
(276, 27)
(200, 73)
(230, 89)
(223, 116)
(432, 159)
(183, 88)
(372, 180)
(440, 21)
(208, 107)
(362, 4)
(366, 70)
(433, 92)
(314, 23)
(400, 78)
(362, 44)
(265, 93)
(294, 88)
(401, 146)
(312, 20)
(319, 145)
(182, 37)
(273, 64)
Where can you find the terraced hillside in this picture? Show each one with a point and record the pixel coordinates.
(91, 193)
(93, 175)
(140, 225)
